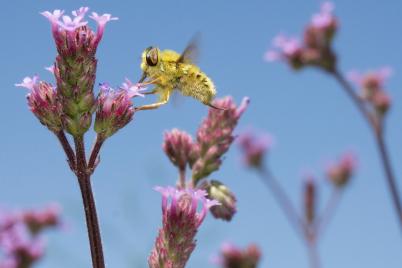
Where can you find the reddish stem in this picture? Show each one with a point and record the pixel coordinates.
(67, 149)
(93, 159)
(378, 131)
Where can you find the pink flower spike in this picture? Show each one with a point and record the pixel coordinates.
(53, 18)
(133, 90)
(80, 12)
(29, 82)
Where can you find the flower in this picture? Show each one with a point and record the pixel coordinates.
(235, 257)
(114, 109)
(181, 220)
(287, 49)
(339, 173)
(325, 19)
(222, 194)
(101, 21)
(43, 102)
(214, 137)
(254, 148)
(371, 82)
(177, 146)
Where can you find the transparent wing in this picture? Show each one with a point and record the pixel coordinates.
(191, 52)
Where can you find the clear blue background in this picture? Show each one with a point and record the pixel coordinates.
(310, 117)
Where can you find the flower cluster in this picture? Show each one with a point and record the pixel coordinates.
(181, 220)
(20, 242)
(316, 47)
(234, 257)
(204, 155)
(372, 85)
(115, 108)
(43, 102)
(340, 173)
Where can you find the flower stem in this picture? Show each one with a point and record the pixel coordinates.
(182, 178)
(84, 180)
(283, 201)
(67, 149)
(329, 210)
(378, 130)
(313, 255)
(93, 159)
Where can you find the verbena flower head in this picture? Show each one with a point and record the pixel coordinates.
(177, 146)
(115, 108)
(315, 50)
(181, 219)
(370, 82)
(235, 257)
(222, 194)
(254, 148)
(43, 102)
(215, 136)
(340, 172)
(37, 220)
(75, 66)
(310, 199)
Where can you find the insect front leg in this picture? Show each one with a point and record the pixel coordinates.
(163, 99)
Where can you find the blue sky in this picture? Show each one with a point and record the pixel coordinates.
(307, 113)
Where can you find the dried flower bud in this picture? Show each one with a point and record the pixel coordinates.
(177, 146)
(115, 108)
(310, 199)
(215, 136)
(234, 257)
(176, 239)
(221, 193)
(340, 173)
(254, 148)
(43, 102)
(75, 66)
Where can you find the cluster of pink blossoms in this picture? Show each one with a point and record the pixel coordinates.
(372, 86)
(21, 244)
(70, 104)
(315, 49)
(234, 257)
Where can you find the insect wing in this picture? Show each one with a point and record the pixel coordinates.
(191, 52)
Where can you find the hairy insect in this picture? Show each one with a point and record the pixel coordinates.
(169, 70)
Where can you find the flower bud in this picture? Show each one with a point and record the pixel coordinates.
(340, 173)
(234, 257)
(114, 108)
(254, 148)
(177, 145)
(309, 199)
(43, 102)
(221, 193)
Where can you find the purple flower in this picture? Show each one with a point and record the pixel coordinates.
(181, 219)
(370, 82)
(235, 257)
(177, 145)
(101, 21)
(214, 137)
(339, 173)
(133, 90)
(115, 108)
(254, 148)
(43, 102)
(285, 48)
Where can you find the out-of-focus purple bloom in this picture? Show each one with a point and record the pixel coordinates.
(177, 146)
(234, 257)
(372, 86)
(339, 173)
(114, 108)
(222, 194)
(43, 102)
(176, 239)
(310, 199)
(254, 148)
(286, 49)
(20, 244)
(215, 136)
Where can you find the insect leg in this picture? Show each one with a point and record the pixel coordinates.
(163, 100)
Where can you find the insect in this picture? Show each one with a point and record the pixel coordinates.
(169, 70)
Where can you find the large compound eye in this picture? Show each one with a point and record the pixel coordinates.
(152, 56)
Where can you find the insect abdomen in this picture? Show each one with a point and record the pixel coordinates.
(197, 84)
